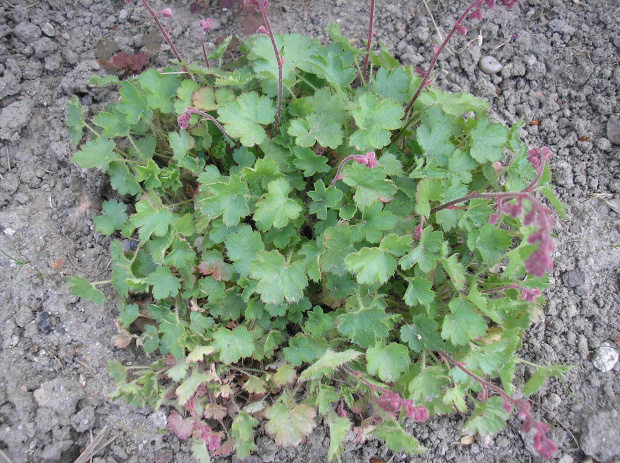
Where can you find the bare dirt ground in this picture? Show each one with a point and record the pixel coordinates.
(561, 67)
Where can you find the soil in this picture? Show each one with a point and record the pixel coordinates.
(561, 68)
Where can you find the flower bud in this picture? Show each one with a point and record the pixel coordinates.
(167, 13)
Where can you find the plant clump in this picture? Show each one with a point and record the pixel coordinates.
(317, 231)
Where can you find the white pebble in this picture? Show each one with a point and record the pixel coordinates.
(605, 358)
(489, 65)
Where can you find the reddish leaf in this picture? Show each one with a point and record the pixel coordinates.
(180, 426)
(225, 449)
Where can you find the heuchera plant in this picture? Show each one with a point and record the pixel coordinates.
(317, 231)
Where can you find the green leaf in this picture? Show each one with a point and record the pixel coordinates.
(304, 348)
(463, 324)
(275, 209)
(117, 372)
(242, 117)
(426, 253)
(332, 68)
(290, 425)
(103, 81)
(86, 290)
(186, 390)
(225, 199)
(338, 243)
(317, 128)
(278, 280)
(394, 85)
(397, 439)
(541, 374)
(422, 334)
(324, 199)
(428, 383)
(243, 247)
(160, 89)
(243, 434)
(493, 243)
(233, 345)
(200, 451)
(455, 271)
(165, 284)
(388, 362)
(151, 217)
(75, 119)
(428, 190)
(285, 375)
(434, 135)
(338, 429)
(375, 221)
(97, 153)
(114, 218)
(135, 106)
(364, 327)
(370, 184)
(180, 142)
(149, 174)
(374, 121)
(122, 180)
(454, 104)
(114, 124)
(488, 140)
(327, 364)
(319, 323)
(310, 163)
(128, 313)
(198, 353)
(419, 291)
(487, 418)
(371, 265)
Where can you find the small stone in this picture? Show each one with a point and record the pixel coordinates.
(123, 14)
(574, 278)
(566, 459)
(13, 118)
(27, 32)
(489, 65)
(48, 29)
(605, 358)
(613, 130)
(44, 47)
(61, 395)
(600, 437)
(159, 419)
(45, 323)
(83, 420)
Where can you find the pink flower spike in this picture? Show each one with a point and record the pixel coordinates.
(420, 414)
(538, 263)
(167, 13)
(369, 160)
(205, 24)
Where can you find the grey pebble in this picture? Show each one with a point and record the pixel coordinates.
(574, 278)
(48, 29)
(613, 129)
(27, 32)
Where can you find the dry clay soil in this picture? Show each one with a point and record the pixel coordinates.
(561, 67)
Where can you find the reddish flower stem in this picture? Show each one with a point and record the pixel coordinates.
(545, 446)
(370, 34)
(427, 74)
(166, 35)
(280, 62)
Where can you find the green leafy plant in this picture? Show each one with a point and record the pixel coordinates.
(318, 232)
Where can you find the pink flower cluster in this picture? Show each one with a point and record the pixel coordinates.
(537, 156)
(369, 160)
(545, 447)
(477, 14)
(392, 402)
(183, 119)
(205, 25)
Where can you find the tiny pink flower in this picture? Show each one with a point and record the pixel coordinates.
(461, 29)
(205, 24)
(369, 159)
(506, 406)
(167, 13)
(476, 14)
(262, 30)
(530, 295)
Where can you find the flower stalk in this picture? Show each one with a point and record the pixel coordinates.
(370, 34)
(543, 445)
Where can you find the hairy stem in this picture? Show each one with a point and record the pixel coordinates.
(427, 74)
(166, 35)
(280, 62)
(370, 34)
